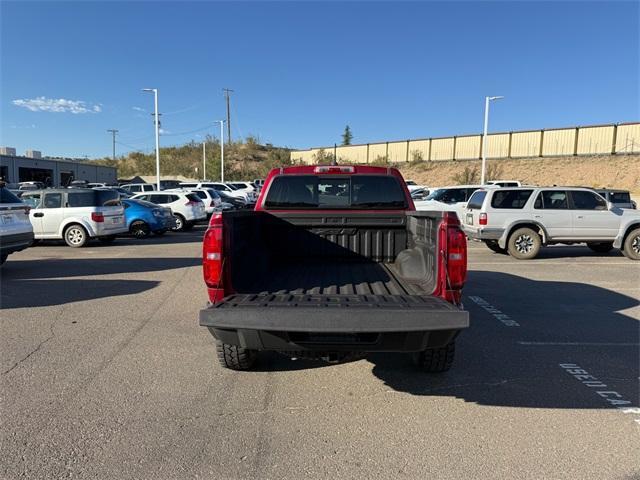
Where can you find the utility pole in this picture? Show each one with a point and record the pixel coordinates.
(113, 132)
(226, 94)
(204, 160)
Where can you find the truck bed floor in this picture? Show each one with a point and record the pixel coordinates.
(331, 278)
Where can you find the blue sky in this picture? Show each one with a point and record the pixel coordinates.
(301, 71)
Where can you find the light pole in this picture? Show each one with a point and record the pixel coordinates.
(204, 160)
(221, 122)
(157, 125)
(484, 136)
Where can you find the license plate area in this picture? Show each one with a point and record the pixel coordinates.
(469, 219)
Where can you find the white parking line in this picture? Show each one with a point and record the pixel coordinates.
(586, 344)
(541, 262)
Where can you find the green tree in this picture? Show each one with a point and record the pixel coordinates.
(347, 136)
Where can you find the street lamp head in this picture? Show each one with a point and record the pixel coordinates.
(148, 89)
(496, 98)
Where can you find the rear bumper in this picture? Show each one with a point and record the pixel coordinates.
(338, 322)
(15, 242)
(483, 233)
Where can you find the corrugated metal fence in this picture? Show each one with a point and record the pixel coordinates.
(623, 138)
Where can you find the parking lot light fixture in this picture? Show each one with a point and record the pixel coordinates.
(484, 136)
(221, 122)
(157, 125)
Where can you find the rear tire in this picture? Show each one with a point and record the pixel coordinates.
(436, 360)
(494, 247)
(235, 357)
(76, 236)
(631, 247)
(601, 247)
(524, 244)
(180, 222)
(140, 229)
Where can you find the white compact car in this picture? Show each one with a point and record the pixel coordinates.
(247, 187)
(16, 232)
(186, 207)
(75, 215)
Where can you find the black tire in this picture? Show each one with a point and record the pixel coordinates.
(631, 247)
(75, 236)
(494, 247)
(107, 239)
(524, 244)
(159, 232)
(139, 229)
(235, 357)
(3, 258)
(436, 360)
(180, 222)
(601, 247)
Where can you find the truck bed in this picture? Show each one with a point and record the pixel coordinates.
(331, 278)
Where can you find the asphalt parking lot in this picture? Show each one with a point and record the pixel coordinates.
(106, 374)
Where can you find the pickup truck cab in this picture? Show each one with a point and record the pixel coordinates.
(334, 260)
(519, 221)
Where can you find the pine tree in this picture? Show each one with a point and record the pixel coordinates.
(347, 136)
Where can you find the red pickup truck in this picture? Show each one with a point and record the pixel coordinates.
(334, 260)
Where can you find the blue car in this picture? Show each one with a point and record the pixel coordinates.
(142, 218)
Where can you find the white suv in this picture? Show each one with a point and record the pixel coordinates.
(521, 220)
(186, 207)
(16, 232)
(220, 187)
(209, 197)
(75, 215)
(138, 187)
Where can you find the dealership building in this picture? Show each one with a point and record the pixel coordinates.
(52, 172)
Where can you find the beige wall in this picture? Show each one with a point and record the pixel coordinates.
(559, 142)
(442, 148)
(628, 138)
(497, 145)
(595, 140)
(591, 140)
(525, 144)
(468, 148)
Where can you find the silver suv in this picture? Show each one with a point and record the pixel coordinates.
(519, 221)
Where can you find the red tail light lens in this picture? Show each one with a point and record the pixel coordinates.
(452, 264)
(212, 258)
(334, 169)
(97, 217)
(483, 219)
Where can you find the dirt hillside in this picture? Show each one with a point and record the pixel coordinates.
(599, 171)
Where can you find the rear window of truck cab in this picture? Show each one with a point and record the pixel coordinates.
(515, 199)
(335, 191)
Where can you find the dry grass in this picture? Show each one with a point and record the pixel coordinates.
(599, 171)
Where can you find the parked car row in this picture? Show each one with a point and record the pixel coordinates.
(80, 213)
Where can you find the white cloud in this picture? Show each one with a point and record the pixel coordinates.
(163, 131)
(139, 109)
(43, 104)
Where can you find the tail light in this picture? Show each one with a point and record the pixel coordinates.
(483, 219)
(453, 258)
(212, 258)
(334, 169)
(97, 217)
